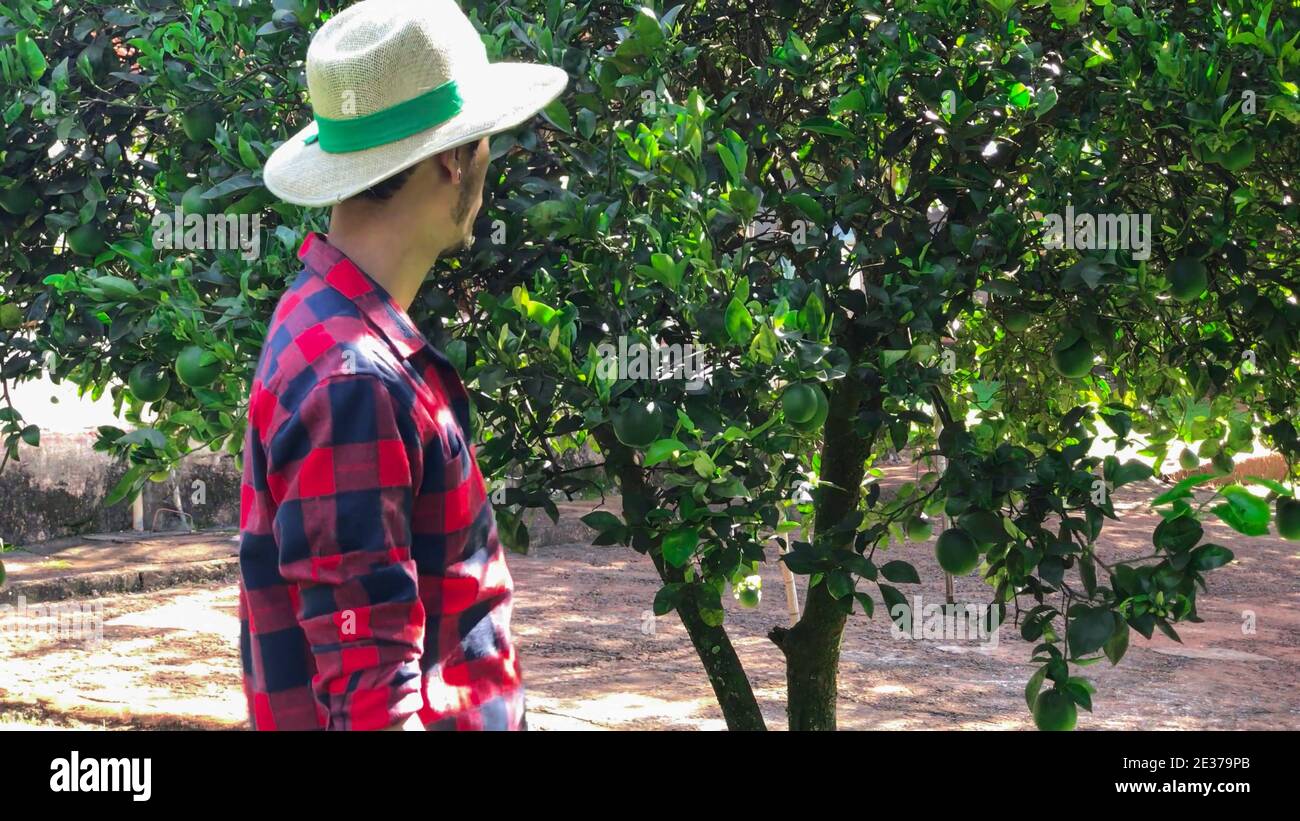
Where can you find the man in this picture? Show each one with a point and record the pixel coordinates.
(374, 592)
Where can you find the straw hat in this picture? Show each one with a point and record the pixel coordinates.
(391, 83)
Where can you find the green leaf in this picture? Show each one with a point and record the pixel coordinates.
(812, 316)
(646, 26)
(825, 125)
(115, 288)
(1277, 487)
(456, 352)
(839, 584)
(1131, 471)
(868, 604)
(1002, 7)
(802, 562)
(679, 545)
(900, 572)
(662, 450)
(732, 433)
(1183, 489)
(1210, 556)
(558, 116)
(731, 488)
(739, 323)
(1168, 630)
(32, 435)
(739, 151)
(1239, 157)
(1035, 684)
(540, 312)
(808, 206)
(1244, 512)
(851, 100)
(857, 563)
(239, 182)
(246, 155)
(1080, 691)
(1069, 10)
(710, 604)
(1177, 534)
(744, 201)
(1089, 630)
(543, 215)
(667, 598)
(730, 162)
(892, 356)
(894, 602)
(127, 486)
(668, 272)
(149, 437)
(1047, 98)
(1117, 644)
(765, 345)
(704, 466)
(1019, 96)
(601, 521)
(33, 60)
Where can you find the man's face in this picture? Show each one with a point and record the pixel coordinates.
(470, 197)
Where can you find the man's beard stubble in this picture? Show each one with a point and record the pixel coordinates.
(458, 215)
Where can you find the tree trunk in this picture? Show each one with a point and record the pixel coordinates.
(812, 662)
(712, 644)
(812, 646)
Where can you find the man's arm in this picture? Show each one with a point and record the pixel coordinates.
(344, 473)
(412, 723)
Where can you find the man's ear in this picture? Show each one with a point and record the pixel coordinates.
(450, 165)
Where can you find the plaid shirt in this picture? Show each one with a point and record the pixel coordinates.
(372, 582)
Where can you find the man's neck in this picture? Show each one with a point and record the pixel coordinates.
(386, 255)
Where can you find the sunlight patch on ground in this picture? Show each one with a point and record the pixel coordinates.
(891, 690)
(1213, 653)
(616, 709)
(193, 613)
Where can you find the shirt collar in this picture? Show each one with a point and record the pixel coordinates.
(329, 263)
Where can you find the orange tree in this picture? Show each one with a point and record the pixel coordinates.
(1015, 235)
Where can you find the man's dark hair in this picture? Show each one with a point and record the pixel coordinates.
(387, 187)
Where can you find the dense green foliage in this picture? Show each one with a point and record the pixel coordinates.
(853, 195)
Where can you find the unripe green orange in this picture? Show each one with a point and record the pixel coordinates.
(1017, 321)
(799, 403)
(1075, 360)
(984, 526)
(638, 424)
(200, 122)
(192, 202)
(919, 529)
(196, 367)
(11, 316)
(148, 382)
(1187, 279)
(18, 199)
(957, 552)
(1054, 710)
(1288, 518)
(86, 240)
(818, 420)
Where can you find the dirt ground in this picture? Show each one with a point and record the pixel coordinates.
(595, 658)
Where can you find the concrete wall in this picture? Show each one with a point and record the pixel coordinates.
(58, 490)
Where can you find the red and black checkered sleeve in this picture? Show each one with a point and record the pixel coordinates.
(343, 468)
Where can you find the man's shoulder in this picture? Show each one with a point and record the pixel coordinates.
(317, 336)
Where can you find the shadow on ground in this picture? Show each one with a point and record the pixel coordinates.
(596, 658)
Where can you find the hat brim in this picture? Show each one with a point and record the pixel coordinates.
(497, 99)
